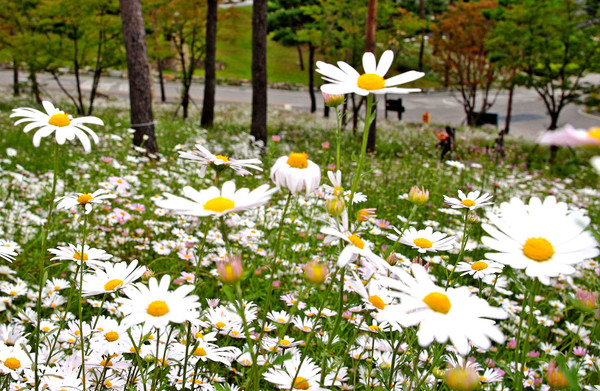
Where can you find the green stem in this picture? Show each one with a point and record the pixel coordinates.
(519, 349)
(255, 376)
(338, 318)
(338, 117)
(42, 266)
(80, 298)
(363, 150)
(462, 248)
(199, 258)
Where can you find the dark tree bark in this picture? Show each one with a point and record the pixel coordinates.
(300, 59)
(35, 87)
(138, 69)
(16, 90)
(422, 46)
(210, 76)
(258, 128)
(311, 77)
(161, 81)
(370, 47)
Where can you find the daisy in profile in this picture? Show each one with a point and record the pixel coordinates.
(569, 136)
(542, 237)
(479, 269)
(215, 202)
(344, 79)
(355, 247)
(155, 306)
(110, 277)
(56, 121)
(205, 158)
(7, 253)
(441, 315)
(424, 240)
(85, 200)
(284, 376)
(296, 173)
(470, 201)
(89, 255)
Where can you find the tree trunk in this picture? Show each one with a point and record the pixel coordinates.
(311, 77)
(161, 81)
(138, 69)
(370, 47)
(509, 108)
(300, 59)
(16, 90)
(210, 76)
(80, 108)
(35, 87)
(326, 111)
(422, 46)
(258, 128)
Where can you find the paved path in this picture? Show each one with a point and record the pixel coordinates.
(529, 117)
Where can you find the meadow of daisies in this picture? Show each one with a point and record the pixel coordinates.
(309, 265)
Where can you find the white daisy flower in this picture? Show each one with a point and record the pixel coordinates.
(284, 376)
(54, 120)
(479, 269)
(205, 158)
(14, 360)
(296, 173)
(215, 202)
(455, 164)
(344, 79)
(156, 306)
(470, 201)
(356, 247)
(424, 240)
(543, 238)
(89, 255)
(7, 253)
(115, 276)
(109, 337)
(84, 199)
(442, 314)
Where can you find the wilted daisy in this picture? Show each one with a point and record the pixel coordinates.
(205, 158)
(470, 201)
(89, 255)
(344, 79)
(215, 202)
(156, 306)
(544, 238)
(424, 240)
(479, 269)
(110, 277)
(296, 173)
(55, 120)
(442, 314)
(85, 200)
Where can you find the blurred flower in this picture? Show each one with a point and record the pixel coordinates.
(344, 79)
(587, 298)
(335, 206)
(333, 100)
(544, 238)
(296, 173)
(569, 136)
(215, 202)
(276, 138)
(230, 270)
(462, 375)
(205, 158)
(85, 200)
(56, 121)
(366, 214)
(556, 378)
(7, 253)
(470, 201)
(455, 164)
(418, 196)
(315, 271)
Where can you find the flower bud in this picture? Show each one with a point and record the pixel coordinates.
(418, 196)
(333, 100)
(230, 270)
(335, 206)
(462, 379)
(315, 271)
(587, 298)
(556, 378)
(148, 274)
(392, 259)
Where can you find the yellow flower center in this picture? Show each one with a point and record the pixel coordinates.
(220, 325)
(370, 81)
(468, 203)
(479, 265)
(337, 191)
(85, 198)
(104, 363)
(158, 308)
(59, 120)
(301, 384)
(113, 284)
(298, 160)
(12, 363)
(111, 336)
(538, 249)
(377, 302)
(284, 342)
(199, 335)
(357, 241)
(595, 133)
(423, 243)
(13, 293)
(222, 157)
(200, 352)
(219, 204)
(78, 256)
(438, 302)
(229, 274)
(374, 328)
(107, 383)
